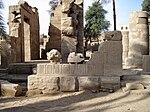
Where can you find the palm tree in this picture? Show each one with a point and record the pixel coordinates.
(2, 23)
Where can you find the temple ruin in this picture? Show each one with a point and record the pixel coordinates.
(24, 32)
(66, 28)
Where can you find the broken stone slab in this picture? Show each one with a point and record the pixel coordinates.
(10, 89)
(133, 86)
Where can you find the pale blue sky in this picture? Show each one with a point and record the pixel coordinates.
(123, 9)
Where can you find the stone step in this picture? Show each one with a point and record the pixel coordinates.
(22, 68)
(2, 71)
(15, 77)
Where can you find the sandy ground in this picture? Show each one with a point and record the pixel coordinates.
(78, 102)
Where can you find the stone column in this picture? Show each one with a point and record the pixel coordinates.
(138, 38)
(125, 43)
(71, 27)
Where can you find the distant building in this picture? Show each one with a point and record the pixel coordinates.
(123, 27)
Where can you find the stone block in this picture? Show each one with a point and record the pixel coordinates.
(146, 63)
(113, 59)
(68, 31)
(10, 89)
(109, 86)
(112, 36)
(82, 69)
(41, 69)
(68, 84)
(111, 80)
(89, 82)
(47, 84)
(66, 22)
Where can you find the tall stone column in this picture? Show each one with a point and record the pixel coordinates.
(71, 27)
(138, 38)
(125, 43)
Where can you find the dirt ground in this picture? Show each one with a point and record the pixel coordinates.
(78, 102)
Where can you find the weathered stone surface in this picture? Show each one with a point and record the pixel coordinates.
(110, 79)
(68, 84)
(138, 39)
(10, 89)
(67, 22)
(24, 32)
(33, 92)
(146, 63)
(89, 83)
(112, 58)
(125, 44)
(133, 86)
(46, 84)
(68, 31)
(112, 35)
(54, 56)
(75, 57)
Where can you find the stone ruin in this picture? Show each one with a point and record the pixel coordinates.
(66, 28)
(24, 32)
(100, 72)
(135, 39)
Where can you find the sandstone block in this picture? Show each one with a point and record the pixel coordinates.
(89, 83)
(68, 84)
(146, 63)
(68, 31)
(112, 80)
(112, 36)
(47, 84)
(10, 89)
(66, 22)
(113, 58)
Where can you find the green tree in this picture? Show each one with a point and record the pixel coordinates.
(2, 23)
(95, 21)
(146, 6)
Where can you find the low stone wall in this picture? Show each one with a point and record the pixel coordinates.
(102, 71)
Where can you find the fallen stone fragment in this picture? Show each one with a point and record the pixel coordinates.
(10, 89)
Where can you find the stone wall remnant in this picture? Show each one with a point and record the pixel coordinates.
(138, 38)
(24, 32)
(102, 71)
